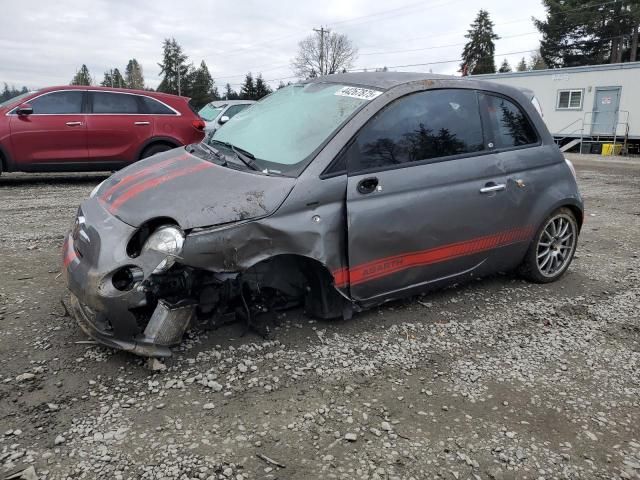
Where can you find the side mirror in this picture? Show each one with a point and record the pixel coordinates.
(223, 119)
(24, 109)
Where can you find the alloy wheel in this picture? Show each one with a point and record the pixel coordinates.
(556, 245)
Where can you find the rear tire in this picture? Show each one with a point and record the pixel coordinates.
(153, 149)
(552, 248)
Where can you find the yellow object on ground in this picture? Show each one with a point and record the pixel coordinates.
(611, 149)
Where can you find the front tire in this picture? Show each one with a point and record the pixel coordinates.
(552, 248)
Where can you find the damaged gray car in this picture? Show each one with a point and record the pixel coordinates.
(335, 194)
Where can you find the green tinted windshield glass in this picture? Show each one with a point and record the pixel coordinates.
(286, 127)
(209, 112)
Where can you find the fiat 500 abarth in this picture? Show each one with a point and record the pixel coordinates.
(337, 194)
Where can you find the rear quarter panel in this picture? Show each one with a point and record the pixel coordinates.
(179, 127)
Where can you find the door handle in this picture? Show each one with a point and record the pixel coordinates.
(142, 123)
(493, 187)
(368, 185)
(74, 124)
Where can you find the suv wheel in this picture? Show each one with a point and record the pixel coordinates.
(153, 149)
(552, 248)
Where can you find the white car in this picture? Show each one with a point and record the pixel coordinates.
(216, 114)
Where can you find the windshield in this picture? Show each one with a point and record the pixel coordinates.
(209, 112)
(287, 127)
(15, 100)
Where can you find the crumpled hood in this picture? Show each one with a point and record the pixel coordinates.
(191, 191)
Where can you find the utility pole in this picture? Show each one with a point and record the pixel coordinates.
(322, 31)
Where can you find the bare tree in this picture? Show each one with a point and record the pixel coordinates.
(323, 54)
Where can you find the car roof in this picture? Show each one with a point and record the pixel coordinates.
(220, 103)
(381, 80)
(109, 89)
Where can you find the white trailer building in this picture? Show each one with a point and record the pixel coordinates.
(585, 107)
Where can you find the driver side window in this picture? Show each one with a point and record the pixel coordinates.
(58, 103)
(419, 127)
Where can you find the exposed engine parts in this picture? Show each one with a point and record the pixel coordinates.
(186, 296)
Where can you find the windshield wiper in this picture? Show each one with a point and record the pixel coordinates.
(210, 151)
(248, 158)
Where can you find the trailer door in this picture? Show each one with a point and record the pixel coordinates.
(605, 111)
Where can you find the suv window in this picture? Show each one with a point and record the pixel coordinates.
(107, 102)
(61, 103)
(234, 110)
(154, 107)
(420, 126)
(508, 124)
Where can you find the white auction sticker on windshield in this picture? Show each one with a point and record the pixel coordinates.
(357, 92)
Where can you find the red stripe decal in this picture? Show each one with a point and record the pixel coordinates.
(341, 277)
(139, 174)
(137, 189)
(389, 265)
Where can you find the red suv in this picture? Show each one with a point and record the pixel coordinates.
(78, 128)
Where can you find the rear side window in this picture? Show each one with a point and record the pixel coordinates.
(421, 126)
(68, 102)
(508, 125)
(233, 110)
(106, 102)
(154, 107)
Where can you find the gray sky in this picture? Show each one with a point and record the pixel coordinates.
(43, 42)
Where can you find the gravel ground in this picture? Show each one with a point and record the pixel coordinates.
(498, 379)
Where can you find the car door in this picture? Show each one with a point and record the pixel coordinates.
(424, 195)
(55, 133)
(525, 161)
(117, 127)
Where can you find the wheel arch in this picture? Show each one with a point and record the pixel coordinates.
(572, 204)
(172, 142)
(322, 299)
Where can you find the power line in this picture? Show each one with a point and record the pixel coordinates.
(439, 46)
(437, 62)
(228, 53)
(600, 4)
(370, 18)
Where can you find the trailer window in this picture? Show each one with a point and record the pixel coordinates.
(569, 100)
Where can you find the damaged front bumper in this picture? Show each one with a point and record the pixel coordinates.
(120, 318)
(165, 328)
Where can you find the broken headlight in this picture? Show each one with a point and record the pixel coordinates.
(167, 240)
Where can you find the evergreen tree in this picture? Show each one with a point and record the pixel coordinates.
(505, 67)
(202, 87)
(174, 67)
(248, 89)
(107, 81)
(10, 92)
(281, 85)
(478, 53)
(576, 34)
(113, 78)
(230, 93)
(118, 79)
(262, 89)
(537, 63)
(82, 77)
(522, 66)
(133, 75)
